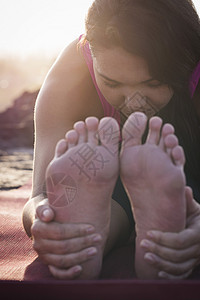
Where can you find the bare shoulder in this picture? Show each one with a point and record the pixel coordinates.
(69, 85)
(69, 60)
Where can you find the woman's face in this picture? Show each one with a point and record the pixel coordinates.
(125, 81)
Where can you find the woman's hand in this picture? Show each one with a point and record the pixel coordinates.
(176, 254)
(63, 247)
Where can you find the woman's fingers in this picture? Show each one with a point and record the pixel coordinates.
(69, 260)
(66, 246)
(182, 240)
(57, 231)
(164, 275)
(169, 254)
(69, 274)
(175, 269)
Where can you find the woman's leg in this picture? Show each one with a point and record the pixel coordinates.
(80, 181)
(153, 174)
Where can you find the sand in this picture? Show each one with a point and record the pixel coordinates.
(15, 167)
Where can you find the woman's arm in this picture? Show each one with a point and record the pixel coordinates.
(67, 96)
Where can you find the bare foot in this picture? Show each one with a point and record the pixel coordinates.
(81, 178)
(155, 182)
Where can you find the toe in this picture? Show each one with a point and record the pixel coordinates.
(166, 130)
(109, 134)
(178, 156)
(133, 129)
(72, 138)
(81, 131)
(61, 147)
(92, 128)
(155, 125)
(170, 141)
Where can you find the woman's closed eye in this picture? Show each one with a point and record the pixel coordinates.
(154, 84)
(111, 84)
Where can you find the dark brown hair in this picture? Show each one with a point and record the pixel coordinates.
(166, 33)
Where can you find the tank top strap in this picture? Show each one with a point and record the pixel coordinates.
(109, 110)
(194, 80)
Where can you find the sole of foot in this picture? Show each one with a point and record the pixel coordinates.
(154, 179)
(81, 178)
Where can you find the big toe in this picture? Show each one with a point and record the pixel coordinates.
(155, 125)
(109, 134)
(92, 127)
(133, 129)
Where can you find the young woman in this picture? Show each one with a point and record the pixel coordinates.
(136, 56)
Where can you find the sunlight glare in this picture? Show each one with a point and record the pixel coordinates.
(41, 25)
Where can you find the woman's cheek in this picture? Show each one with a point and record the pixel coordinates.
(113, 96)
(159, 97)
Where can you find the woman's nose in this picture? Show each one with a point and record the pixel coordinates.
(133, 99)
(136, 101)
(129, 92)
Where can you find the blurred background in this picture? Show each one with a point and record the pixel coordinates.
(33, 33)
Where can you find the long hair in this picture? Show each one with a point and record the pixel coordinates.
(166, 33)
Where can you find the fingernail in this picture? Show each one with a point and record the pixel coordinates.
(150, 234)
(77, 269)
(150, 258)
(145, 244)
(162, 275)
(92, 252)
(89, 229)
(46, 213)
(97, 238)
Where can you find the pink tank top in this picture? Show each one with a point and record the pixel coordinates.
(109, 110)
(194, 80)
